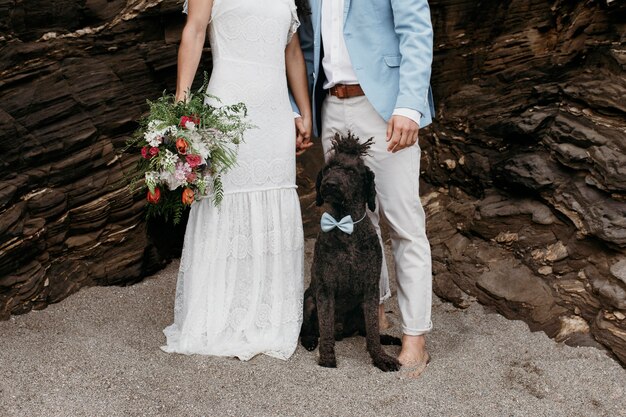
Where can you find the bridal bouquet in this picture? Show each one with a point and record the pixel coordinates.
(185, 148)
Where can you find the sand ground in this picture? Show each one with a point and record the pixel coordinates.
(97, 354)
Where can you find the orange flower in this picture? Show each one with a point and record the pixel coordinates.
(188, 196)
(181, 145)
(154, 197)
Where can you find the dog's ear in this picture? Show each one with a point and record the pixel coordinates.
(370, 189)
(319, 200)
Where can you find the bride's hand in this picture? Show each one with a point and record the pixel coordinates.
(180, 97)
(304, 127)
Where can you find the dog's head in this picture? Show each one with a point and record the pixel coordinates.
(345, 179)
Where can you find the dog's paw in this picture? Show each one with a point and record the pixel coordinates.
(386, 363)
(328, 362)
(309, 342)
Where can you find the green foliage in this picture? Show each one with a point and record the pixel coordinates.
(170, 207)
(213, 137)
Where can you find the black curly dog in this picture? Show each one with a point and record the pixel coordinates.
(345, 274)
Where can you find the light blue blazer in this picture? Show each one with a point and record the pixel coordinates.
(390, 43)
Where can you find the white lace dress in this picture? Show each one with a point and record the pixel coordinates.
(240, 284)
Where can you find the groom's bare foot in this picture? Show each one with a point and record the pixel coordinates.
(413, 356)
(383, 322)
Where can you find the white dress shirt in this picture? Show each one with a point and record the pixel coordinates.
(336, 62)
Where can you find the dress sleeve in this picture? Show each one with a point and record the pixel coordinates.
(295, 22)
(186, 6)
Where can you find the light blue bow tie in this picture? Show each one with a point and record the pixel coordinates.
(346, 224)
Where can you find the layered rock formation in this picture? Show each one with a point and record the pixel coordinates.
(74, 77)
(523, 170)
(526, 165)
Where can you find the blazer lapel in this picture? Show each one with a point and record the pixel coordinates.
(346, 8)
(316, 6)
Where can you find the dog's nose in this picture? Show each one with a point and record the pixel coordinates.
(330, 182)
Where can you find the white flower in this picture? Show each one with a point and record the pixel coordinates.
(152, 178)
(155, 133)
(199, 145)
(190, 125)
(169, 161)
(169, 178)
(154, 138)
(154, 123)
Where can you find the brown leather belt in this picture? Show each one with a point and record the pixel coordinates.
(346, 90)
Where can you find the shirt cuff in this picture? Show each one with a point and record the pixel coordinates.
(296, 115)
(410, 113)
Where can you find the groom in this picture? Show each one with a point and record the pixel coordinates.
(370, 62)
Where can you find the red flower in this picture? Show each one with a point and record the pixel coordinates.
(181, 145)
(193, 160)
(148, 153)
(154, 198)
(188, 196)
(185, 119)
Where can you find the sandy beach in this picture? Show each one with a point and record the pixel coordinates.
(97, 354)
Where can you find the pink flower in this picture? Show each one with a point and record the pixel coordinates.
(194, 160)
(182, 170)
(154, 151)
(191, 177)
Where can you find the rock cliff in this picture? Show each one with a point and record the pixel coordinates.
(525, 168)
(74, 77)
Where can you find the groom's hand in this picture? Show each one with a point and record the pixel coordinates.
(402, 132)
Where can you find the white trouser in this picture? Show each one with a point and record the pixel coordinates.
(397, 189)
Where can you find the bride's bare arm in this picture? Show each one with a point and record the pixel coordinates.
(298, 82)
(191, 44)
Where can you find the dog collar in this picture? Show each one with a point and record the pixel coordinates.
(346, 224)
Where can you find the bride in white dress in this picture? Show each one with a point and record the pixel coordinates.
(240, 284)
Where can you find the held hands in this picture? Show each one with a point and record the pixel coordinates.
(304, 126)
(402, 132)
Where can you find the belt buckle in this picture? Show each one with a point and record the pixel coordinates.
(341, 90)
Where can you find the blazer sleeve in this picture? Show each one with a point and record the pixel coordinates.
(415, 32)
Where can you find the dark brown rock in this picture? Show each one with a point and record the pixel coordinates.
(75, 78)
(531, 128)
